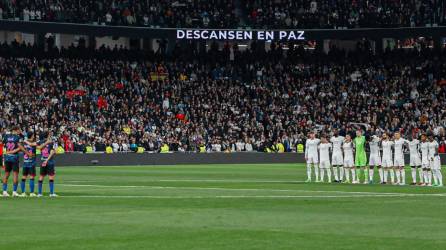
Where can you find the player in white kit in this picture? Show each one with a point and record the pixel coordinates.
(424, 148)
(434, 161)
(386, 161)
(375, 157)
(337, 160)
(324, 152)
(398, 160)
(311, 156)
(415, 160)
(349, 160)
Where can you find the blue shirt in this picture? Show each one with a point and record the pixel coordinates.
(32, 150)
(46, 151)
(11, 142)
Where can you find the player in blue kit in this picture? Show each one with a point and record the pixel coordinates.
(29, 163)
(47, 166)
(13, 147)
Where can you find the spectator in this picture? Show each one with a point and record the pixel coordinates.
(225, 104)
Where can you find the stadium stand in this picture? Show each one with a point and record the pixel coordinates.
(306, 14)
(223, 99)
(331, 14)
(196, 13)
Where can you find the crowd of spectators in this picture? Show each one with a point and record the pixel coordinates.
(333, 14)
(168, 13)
(232, 14)
(224, 99)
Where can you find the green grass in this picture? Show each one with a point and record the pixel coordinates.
(221, 207)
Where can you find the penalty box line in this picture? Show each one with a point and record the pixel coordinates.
(253, 189)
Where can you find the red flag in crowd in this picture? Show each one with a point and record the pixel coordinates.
(69, 146)
(180, 117)
(75, 92)
(119, 85)
(102, 103)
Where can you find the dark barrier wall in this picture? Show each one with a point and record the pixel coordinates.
(174, 158)
(182, 158)
(35, 27)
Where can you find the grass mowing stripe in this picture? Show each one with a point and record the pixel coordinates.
(245, 189)
(232, 196)
(246, 207)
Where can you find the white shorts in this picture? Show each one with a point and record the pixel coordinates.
(435, 164)
(313, 159)
(349, 163)
(387, 162)
(415, 161)
(337, 159)
(375, 160)
(324, 164)
(399, 161)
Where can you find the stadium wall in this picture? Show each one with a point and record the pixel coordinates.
(132, 159)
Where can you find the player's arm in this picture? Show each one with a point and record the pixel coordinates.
(406, 142)
(18, 149)
(13, 151)
(436, 151)
(21, 148)
(306, 149)
(32, 144)
(52, 153)
(42, 145)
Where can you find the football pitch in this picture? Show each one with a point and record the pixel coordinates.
(266, 206)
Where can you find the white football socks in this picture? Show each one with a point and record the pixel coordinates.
(426, 176)
(398, 178)
(434, 173)
(381, 174)
(335, 172)
(309, 171)
(414, 175)
(429, 177)
(347, 175)
(329, 174)
(392, 175)
(322, 174)
(403, 176)
(353, 174)
(421, 174)
(440, 177)
(341, 173)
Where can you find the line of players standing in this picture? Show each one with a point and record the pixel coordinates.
(14, 146)
(386, 154)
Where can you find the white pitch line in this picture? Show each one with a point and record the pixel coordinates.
(228, 196)
(207, 180)
(251, 189)
(233, 181)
